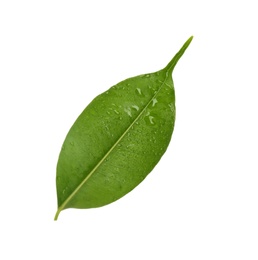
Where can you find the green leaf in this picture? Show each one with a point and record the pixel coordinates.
(117, 140)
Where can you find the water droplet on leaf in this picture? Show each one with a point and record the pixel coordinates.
(138, 91)
(154, 102)
(135, 107)
(128, 111)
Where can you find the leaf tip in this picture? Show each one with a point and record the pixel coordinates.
(171, 65)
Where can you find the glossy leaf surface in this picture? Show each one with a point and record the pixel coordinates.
(117, 140)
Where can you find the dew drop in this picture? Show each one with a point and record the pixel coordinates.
(138, 91)
(116, 112)
(168, 85)
(171, 106)
(147, 75)
(135, 107)
(128, 111)
(151, 120)
(154, 102)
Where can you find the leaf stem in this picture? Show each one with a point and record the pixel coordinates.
(171, 65)
(57, 213)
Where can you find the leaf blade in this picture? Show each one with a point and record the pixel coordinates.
(126, 108)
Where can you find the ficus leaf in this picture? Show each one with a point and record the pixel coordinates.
(117, 140)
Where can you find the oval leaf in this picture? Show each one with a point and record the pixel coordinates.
(117, 140)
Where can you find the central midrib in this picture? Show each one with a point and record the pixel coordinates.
(110, 150)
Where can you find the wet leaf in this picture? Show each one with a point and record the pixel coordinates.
(117, 140)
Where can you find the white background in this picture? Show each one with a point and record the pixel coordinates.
(201, 200)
